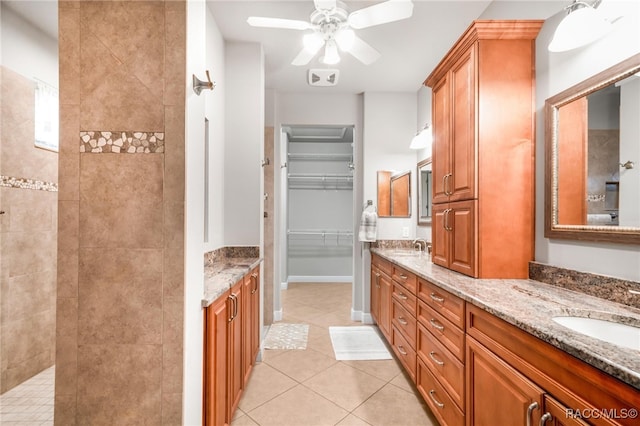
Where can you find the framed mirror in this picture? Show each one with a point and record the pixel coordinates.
(394, 193)
(424, 192)
(592, 149)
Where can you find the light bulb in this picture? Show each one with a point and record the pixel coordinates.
(331, 55)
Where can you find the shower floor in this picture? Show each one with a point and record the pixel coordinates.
(31, 402)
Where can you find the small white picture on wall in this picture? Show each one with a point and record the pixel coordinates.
(46, 116)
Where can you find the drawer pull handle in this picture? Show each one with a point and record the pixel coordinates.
(402, 321)
(545, 418)
(435, 324)
(402, 296)
(432, 354)
(401, 350)
(403, 276)
(377, 280)
(433, 398)
(436, 297)
(530, 409)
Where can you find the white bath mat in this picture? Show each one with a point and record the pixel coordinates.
(287, 336)
(358, 343)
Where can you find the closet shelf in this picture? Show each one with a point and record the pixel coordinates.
(320, 181)
(323, 233)
(319, 157)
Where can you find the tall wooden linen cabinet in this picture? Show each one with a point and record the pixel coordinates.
(483, 112)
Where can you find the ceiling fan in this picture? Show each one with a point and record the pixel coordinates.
(333, 28)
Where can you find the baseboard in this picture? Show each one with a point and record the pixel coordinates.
(356, 315)
(277, 315)
(320, 279)
(284, 285)
(367, 319)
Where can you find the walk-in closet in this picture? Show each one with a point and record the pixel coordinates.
(320, 203)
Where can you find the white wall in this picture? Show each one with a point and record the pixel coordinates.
(424, 117)
(215, 112)
(194, 224)
(556, 72)
(244, 143)
(26, 49)
(390, 120)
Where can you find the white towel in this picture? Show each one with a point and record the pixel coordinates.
(368, 226)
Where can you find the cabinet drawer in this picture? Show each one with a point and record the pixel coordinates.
(406, 299)
(406, 278)
(405, 353)
(404, 322)
(449, 306)
(382, 264)
(442, 329)
(443, 365)
(441, 404)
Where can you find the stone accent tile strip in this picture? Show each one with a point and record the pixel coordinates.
(122, 142)
(614, 289)
(24, 183)
(393, 244)
(222, 253)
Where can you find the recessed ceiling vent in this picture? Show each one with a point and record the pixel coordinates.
(323, 77)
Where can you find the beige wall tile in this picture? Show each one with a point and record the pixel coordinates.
(172, 339)
(67, 271)
(174, 224)
(65, 409)
(120, 296)
(68, 224)
(174, 154)
(121, 200)
(69, 157)
(24, 295)
(66, 346)
(173, 273)
(174, 69)
(172, 409)
(69, 52)
(29, 210)
(119, 384)
(30, 252)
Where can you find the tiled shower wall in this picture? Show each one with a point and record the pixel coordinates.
(28, 228)
(121, 212)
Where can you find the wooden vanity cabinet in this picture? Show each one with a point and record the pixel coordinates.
(521, 369)
(483, 151)
(231, 345)
(403, 318)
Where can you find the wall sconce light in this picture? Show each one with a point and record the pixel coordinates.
(583, 24)
(422, 139)
(199, 85)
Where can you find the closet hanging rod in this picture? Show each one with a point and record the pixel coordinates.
(319, 232)
(319, 157)
(319, 176)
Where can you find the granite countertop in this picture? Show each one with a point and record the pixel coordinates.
(530, 306)
(221, 275)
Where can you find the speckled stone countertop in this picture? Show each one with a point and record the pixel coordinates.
(530, 306)
(222, 274)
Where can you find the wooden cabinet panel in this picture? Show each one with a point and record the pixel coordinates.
(441, 157)
(405, 298)
(441, 404)
(442, 364)
(404, 322)
(442, 329)
(235, 370)
(386, 289)
(405, 352)
(250, 321)
(496, 393)
(446, 304)
(406, 278)
(215, 364)
(440, 246)
(375, 293)
(556, 414)
(463, 237)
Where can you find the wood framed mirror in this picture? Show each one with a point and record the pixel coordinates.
(592, 164)
(424, 192)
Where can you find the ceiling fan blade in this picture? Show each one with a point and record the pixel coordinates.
(381, 13)
(363, 52)
(325, 4)
(289, 24)
(306, 55)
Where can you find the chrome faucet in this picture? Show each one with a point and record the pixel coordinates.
(418, 244)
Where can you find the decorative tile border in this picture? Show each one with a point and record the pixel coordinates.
(610, 288)
(221, 253)
(24, 183)
(393, 244)
(594, 198)
(122, 142)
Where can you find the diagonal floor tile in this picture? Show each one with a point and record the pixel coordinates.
(301, 364)
(264, 384)
(392, 406)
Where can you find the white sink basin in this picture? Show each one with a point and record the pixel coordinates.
(608, 331)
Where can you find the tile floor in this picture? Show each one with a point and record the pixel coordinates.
(30, 403)
(310, 388)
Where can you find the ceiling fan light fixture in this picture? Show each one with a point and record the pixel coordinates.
(331, 56)
(345, 38)
(312, 42)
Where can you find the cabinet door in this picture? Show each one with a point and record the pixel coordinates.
(250, 322)
(556, 414)
(441, 160)
(235, 376)
(439, 235)
(386, 290)
(375, 294)
(461, 184)
(216, 361)
(496, 393)
(461, 222)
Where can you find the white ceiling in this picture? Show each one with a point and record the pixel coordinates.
(410, 48)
